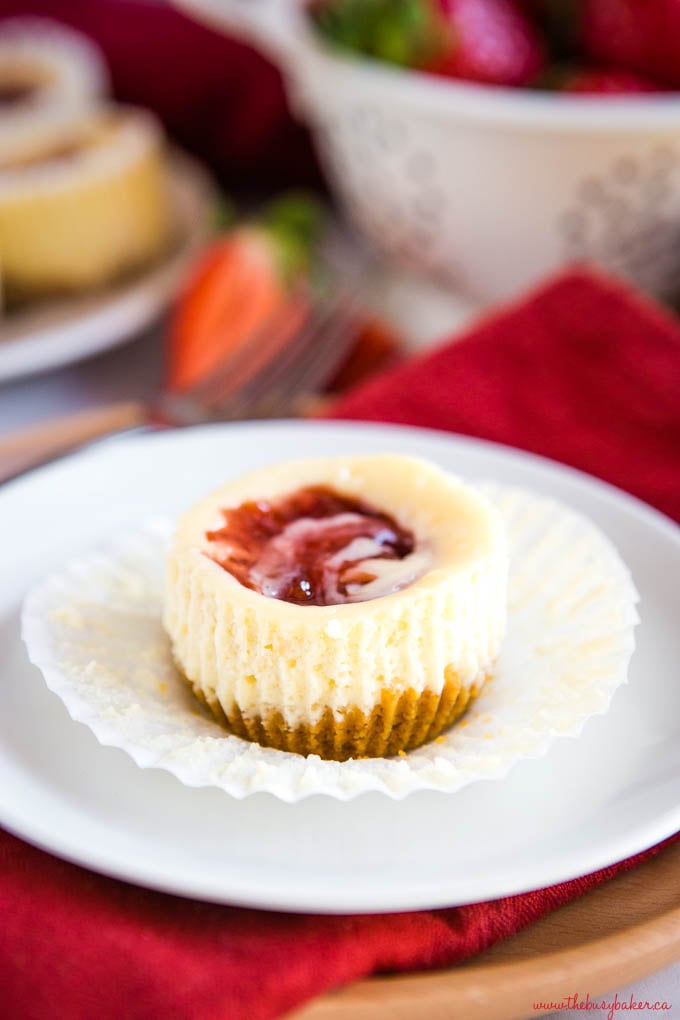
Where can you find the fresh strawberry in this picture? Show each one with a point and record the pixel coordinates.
(641, 35)
(480, 40)
(492, 42)
(243, 283)
(601, 81)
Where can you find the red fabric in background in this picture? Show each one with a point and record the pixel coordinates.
(583, 370)
(217, 97)
(75, 946)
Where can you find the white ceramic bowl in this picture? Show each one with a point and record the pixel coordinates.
(488, 188)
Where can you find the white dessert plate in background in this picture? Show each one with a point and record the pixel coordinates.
(54, 333)
(590, 801)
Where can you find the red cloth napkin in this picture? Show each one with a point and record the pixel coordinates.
(585, 371)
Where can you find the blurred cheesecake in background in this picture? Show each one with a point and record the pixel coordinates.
(49, 75)
(92, 209)
(84, 183)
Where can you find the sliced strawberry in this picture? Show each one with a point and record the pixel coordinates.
(235, 287)
(248, 281)
(492, 42)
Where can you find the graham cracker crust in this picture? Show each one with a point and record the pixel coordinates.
(400, 722)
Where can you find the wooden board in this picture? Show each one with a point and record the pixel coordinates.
(31, 447)
(613, 936)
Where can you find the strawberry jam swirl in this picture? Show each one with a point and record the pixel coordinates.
(316, 547)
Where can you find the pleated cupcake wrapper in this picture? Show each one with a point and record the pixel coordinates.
(95, 632)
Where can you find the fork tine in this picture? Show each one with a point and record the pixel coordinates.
(328, 354)
(308, 375)
(252, 357)
(346, 292)
(229, 376)
(280, 369)
(237, 373)
(282, 391)
(315, 342)
(303, 375)
(297, 351)
(242, 399)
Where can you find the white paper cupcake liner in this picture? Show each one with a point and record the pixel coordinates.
(95, 632)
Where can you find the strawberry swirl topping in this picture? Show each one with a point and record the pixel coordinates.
(316, 547)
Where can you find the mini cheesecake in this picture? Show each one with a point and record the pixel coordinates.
(87, 211)
(345, 607)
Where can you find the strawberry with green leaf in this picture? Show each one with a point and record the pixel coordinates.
(254, 277)
(478, 40)
(260, 281)
(410, 33)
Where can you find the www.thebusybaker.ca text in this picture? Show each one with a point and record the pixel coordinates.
(607, 1006)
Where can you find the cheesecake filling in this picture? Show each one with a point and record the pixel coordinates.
(316, 547)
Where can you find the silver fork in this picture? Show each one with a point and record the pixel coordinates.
(286, 379)
(266, 377)
(280, 389)
(274, 374)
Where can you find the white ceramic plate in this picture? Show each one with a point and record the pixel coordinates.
(587, 803)
(60, 332)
